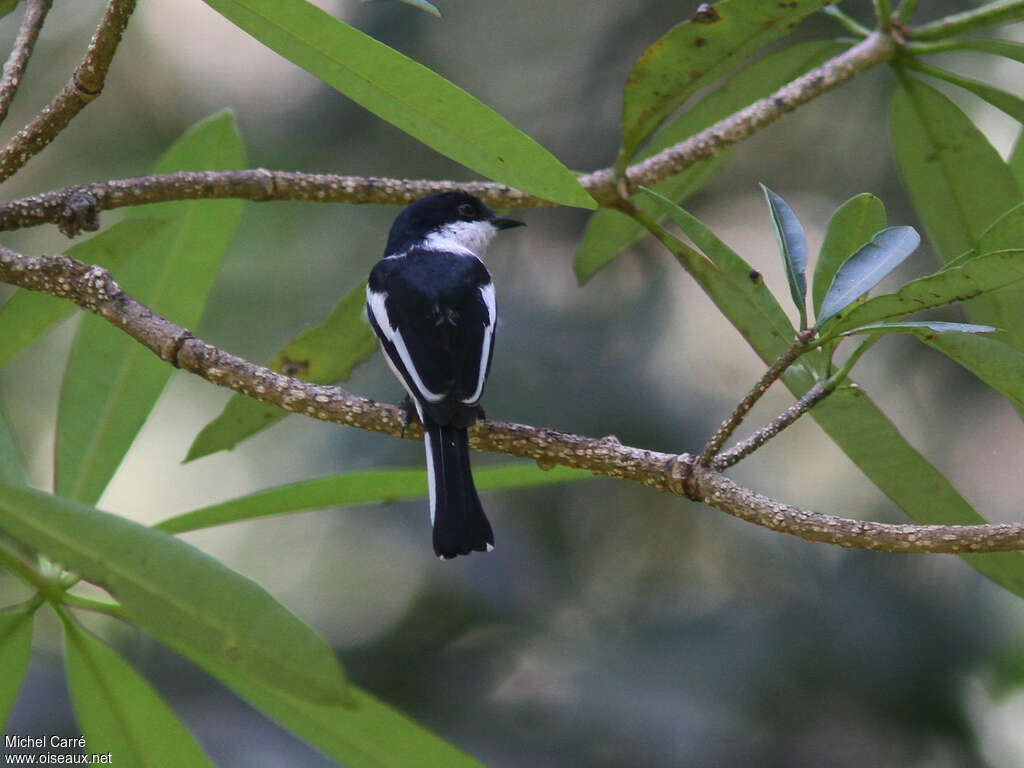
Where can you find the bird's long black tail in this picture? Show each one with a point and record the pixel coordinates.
(460, 526)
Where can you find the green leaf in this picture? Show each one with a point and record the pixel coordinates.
(29, 314)
(694, 54)
(184, 598)
(112, 382)
(357, 488)
(948, 286)
(365, 734)
(407, 95)
(789, 235)
(866, 268)
(920, 328)
(852, 225)
(740, 293)
(997, 364)
(609, 232)
(12, 465)
(15, 649)
(848, 416)
(6, 6)
(118, 712)
(323, 354)
(957, 181)
(1006, 48)
(959, 185)
(423, 5)
(1007, 102)
(1016, 161)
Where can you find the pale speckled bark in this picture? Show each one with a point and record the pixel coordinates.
(93, 289)
(85, 84)
(260, 184)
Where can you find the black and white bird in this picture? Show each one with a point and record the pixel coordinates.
(431, 303)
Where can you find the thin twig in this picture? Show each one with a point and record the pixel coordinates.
(744, 448)
(724, 432)
(24, 43)
(85, 84)
(93, 289)
(811, 398)
(261, 185)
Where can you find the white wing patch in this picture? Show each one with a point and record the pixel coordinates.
(431, 482)
(487, 294)
(376, 302)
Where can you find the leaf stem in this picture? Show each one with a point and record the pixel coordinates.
(884, 13)
(96, 606)
(850, 23)
(992, 14)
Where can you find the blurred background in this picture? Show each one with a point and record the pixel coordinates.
(612, 626)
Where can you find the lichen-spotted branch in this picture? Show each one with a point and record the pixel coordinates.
(93, 289)
(261, 185)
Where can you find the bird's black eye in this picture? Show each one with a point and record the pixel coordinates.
(467, 211)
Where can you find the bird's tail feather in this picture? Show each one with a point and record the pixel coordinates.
(460, 526)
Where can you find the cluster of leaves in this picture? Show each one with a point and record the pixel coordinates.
(239, 633)
(968, 197)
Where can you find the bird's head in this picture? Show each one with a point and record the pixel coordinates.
(447, 221)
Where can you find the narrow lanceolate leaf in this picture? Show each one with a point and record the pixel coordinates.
(741, 294)
(118, 712)
(848, 416)
(959, 185)
(1007, 102)
(357, 488)
(12, 465)
(866, 268)
(694, 54)
(407, 95)
(423, 5)
(957, 181)
(15, 649)
(609, 232)
(184, 598)
(29, 314)
(997, 364)
(112, 382)
(852, 225)
(364, 734)
(948, 286)
(6, 6)
(324, 354)
(1007, 48)
(1016, 161)
(923, 328)
(789, 234)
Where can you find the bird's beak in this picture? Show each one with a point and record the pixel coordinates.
(501, 222)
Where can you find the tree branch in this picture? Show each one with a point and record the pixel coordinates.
(786, 359)
(24, 43)
(262, 185)
(85, 85)
(92, 288)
